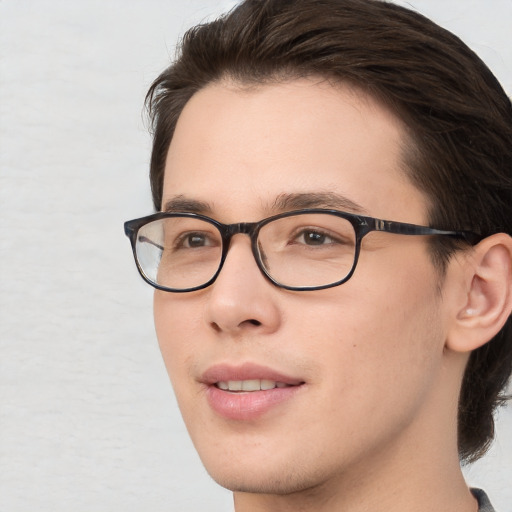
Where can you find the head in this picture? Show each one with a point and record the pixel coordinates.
(451, 120)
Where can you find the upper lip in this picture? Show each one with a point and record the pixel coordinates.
(246, 371)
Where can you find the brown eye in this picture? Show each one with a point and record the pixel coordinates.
(313, 237)
(195, 240)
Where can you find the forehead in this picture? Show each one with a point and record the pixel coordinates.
(238, 149)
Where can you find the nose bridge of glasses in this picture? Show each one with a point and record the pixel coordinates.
(244, 228)
(240, 228)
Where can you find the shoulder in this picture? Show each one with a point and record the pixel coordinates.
(484, 505)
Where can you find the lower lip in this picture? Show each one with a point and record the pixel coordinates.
(250, 405)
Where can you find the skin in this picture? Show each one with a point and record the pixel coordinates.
(373, 427)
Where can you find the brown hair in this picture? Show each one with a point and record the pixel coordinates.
(458, 118)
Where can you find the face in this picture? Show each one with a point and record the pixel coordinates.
(358, 364)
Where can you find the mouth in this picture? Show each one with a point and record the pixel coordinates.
(248, 386)
(249, 391)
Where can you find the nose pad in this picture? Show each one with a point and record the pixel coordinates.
(242, 298)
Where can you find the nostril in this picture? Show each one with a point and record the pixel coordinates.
(215, 327)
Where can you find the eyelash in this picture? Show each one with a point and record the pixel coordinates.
(183, 241)
(303, 231)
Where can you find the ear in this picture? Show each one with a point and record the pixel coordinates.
(485, 299)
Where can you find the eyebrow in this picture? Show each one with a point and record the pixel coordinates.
(185, 204)
(283, 203)
(328, 200)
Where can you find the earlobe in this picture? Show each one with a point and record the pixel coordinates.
(488, 297)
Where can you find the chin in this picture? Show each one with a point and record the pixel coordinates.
(254, 484)
(264, 480)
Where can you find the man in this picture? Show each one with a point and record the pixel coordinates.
(332, 254)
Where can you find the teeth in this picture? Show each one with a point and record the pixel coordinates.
(235, 385)
(267, 384)
(250, 385)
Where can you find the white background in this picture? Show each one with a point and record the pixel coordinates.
(88, 421)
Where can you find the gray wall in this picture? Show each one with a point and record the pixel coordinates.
(88, 421)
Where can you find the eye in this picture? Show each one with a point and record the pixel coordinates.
(194, 241)
(314, 237)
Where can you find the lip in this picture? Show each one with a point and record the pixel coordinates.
(246, 371)
(247, 406)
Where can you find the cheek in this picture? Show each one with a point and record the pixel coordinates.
(177, 322)
(380, 342)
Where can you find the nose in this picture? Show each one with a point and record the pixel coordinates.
(241, 299)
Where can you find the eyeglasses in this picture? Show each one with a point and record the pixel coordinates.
(301, 250)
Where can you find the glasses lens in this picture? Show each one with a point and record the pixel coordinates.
(308, 250)
(179, 252)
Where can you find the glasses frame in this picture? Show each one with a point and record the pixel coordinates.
(362, 226)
